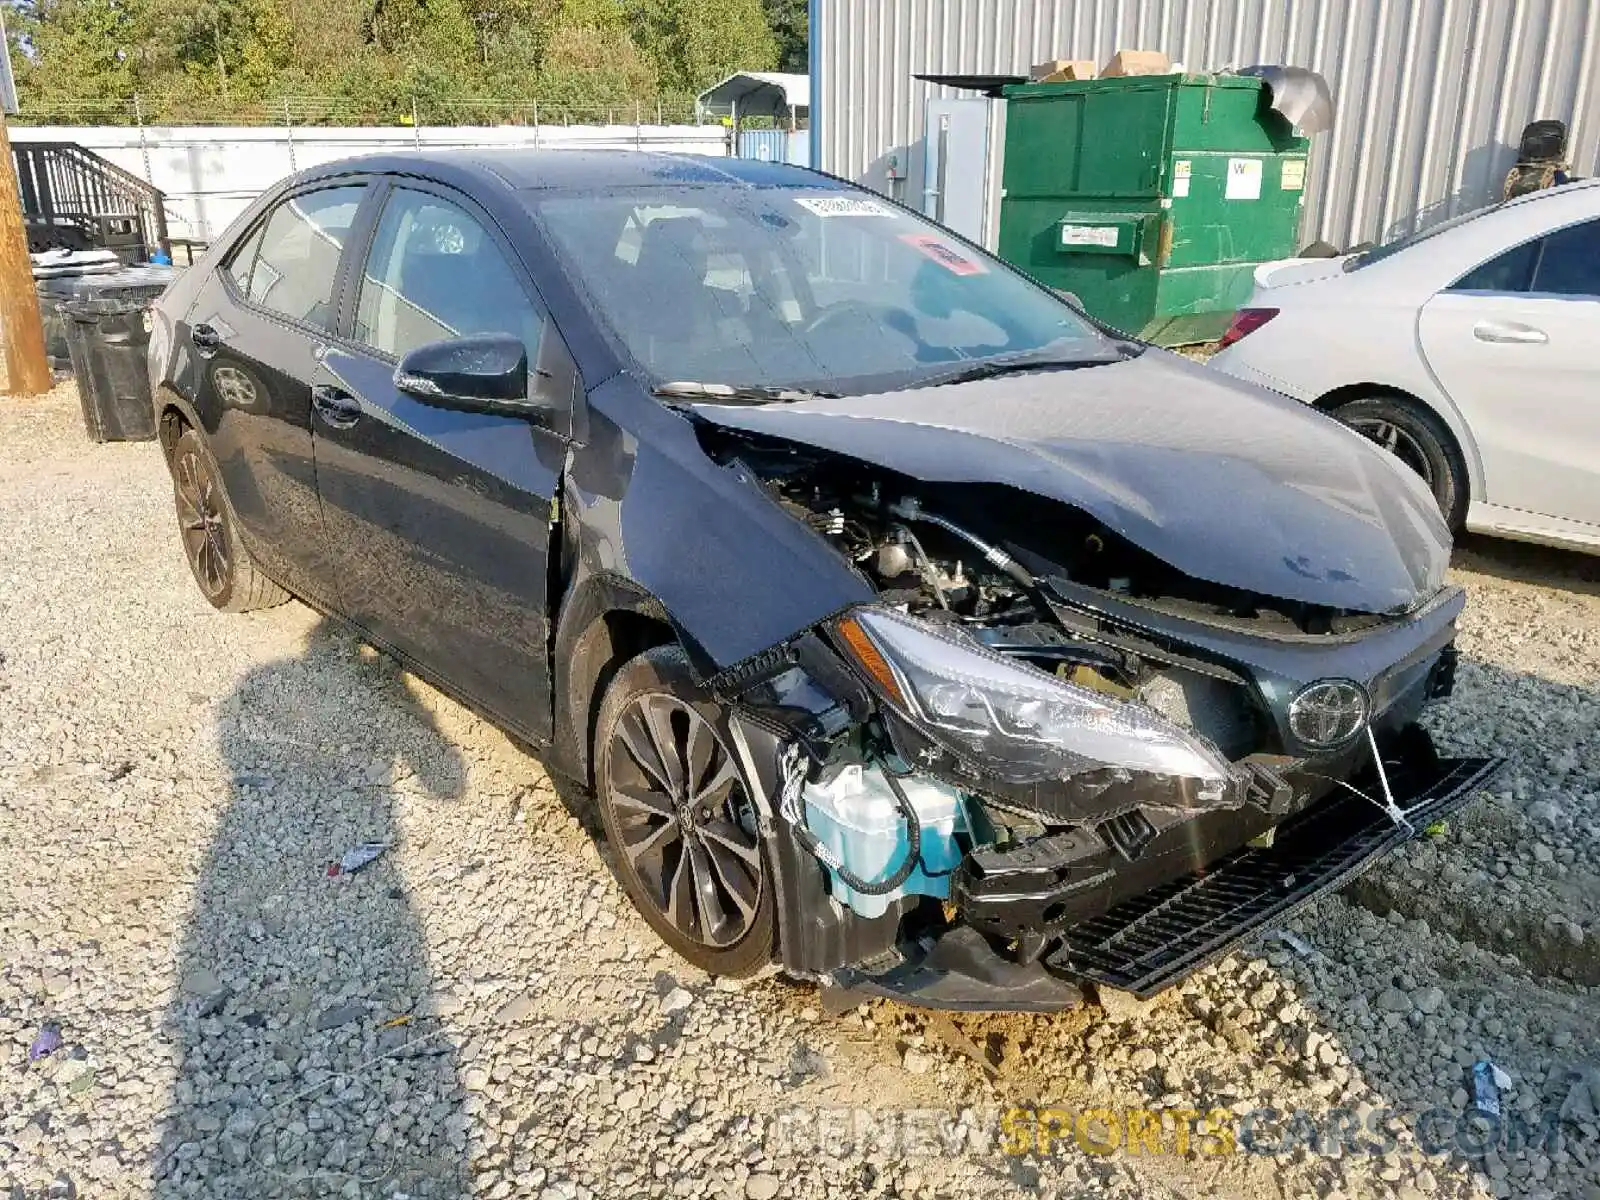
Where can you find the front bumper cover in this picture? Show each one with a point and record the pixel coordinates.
(1154, 939)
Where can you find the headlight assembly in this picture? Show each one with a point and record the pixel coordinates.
(1026, 724)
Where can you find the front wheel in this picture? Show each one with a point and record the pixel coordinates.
(679, 818)
(1414, 435)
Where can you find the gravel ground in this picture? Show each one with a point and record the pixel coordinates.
(481, 1013)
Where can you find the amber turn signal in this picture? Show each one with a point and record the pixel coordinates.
(870, 659)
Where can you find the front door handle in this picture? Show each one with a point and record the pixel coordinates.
(206, 339)
(1510, 334)
(337, 407)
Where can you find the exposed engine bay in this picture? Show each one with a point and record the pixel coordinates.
(987, 560)
(978, 553)
(945, 817)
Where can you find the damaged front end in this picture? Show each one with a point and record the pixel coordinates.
(1044, 756)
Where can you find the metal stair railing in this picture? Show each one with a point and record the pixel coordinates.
(63, 186)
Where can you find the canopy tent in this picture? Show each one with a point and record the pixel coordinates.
(759, 94)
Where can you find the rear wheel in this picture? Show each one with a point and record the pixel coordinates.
(679, 819)
(228, 577)
(1414, 435)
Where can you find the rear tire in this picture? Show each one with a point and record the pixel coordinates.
(228, 577)
(1415, 435)
(679, 819)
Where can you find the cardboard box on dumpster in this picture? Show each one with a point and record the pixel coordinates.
(1136, 62)
(1060, 70)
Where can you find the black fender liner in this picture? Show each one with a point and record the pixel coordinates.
(167, 398)
(604, 620)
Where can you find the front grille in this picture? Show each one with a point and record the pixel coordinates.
(1148, 942)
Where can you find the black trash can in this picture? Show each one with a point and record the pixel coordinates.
(58, 282)
(106, 341)
(54, 322)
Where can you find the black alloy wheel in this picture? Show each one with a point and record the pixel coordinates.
(228, 577)
(680, 822)
(202, 521)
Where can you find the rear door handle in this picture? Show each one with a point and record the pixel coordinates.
(1510, 333)
(205, 338)
(337, 407)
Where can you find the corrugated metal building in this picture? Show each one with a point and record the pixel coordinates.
(1430, 95)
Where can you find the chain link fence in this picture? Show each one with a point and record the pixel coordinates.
(346, 110)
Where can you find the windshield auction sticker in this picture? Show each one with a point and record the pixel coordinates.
(946, 255)
(843, 206)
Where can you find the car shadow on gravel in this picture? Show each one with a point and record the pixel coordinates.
(306, 1062)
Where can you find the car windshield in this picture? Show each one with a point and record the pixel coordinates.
(812, 290)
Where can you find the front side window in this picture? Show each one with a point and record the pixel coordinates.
(435, 273)
(297, 264)
(1570, 264)
(827, 290)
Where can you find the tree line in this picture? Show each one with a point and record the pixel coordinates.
(388, 61)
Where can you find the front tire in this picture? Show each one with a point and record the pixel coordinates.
(679, 819)
(1418, 438)
(228, 577)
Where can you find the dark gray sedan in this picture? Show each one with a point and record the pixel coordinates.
(901, 623)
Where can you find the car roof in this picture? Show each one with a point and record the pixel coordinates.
(1465, 220)
(1515, 216)
(1589, 188)
(525, 169)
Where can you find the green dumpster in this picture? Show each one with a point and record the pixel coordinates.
(1151, 197)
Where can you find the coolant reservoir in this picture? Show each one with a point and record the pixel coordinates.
(856, 815)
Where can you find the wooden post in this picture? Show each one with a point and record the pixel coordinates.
(21, 334)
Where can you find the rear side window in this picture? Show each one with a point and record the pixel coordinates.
(297, 262)
(1508, 272)
(1570, 264)
(435, 273)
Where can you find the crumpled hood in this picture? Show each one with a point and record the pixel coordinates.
(1224, 481)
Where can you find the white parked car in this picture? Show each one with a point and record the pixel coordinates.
(1471, 350)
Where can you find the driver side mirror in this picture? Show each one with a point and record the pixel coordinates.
(483, 373)
(1071, 298)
